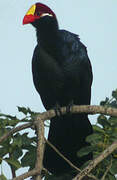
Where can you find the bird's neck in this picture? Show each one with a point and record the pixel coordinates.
(47, 33)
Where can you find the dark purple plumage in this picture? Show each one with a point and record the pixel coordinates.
(62, 74)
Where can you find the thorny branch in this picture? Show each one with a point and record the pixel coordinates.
(48, 115)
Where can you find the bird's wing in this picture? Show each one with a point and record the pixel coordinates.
(77, 68)
(47, 76)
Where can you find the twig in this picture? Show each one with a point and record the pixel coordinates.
(13, 171)
(108, 168)
(40, 145)
(96, 161)
(69, 162)
(14, 130)
(12, 168)
(61, 155)
(26, 175)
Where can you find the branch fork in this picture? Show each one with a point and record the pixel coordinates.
(39, 123)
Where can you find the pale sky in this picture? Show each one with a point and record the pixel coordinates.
(94, 21)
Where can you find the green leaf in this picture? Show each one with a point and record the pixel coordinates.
(26, 140)
(17, 140)
(13, 122)
(2, 177)
(85, 164)
(26, 111)
(102, 120)
(3, 151)
(17, 153)
(113, 168)
(8, 116)
(14, 162)
(84, 151)
(113, 121)
(114, 132)
(23, 110)
(113, 104)
(103, 103)
(1, 160)
(29, 158)
(94, 138)
(98, 129)
(111, 177)
(114, 94)
(8, 120)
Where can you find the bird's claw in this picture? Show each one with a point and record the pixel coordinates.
(57, 110)
(68, 107)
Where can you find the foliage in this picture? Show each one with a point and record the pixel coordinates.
(105, 133)
(19, 149)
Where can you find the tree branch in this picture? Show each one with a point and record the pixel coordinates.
(74, 109)
(69, 162)
(61, 155)
(108, 168)
(40, 145)
(96, 161)
(14, 130)
(26, 175)
(81, 109)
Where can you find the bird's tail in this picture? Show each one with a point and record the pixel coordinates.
(67, 133)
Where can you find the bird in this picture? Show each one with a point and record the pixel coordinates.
(62, 75)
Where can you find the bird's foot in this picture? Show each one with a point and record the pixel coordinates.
(68, 107)
(57, 110)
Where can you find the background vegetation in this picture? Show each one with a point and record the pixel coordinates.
(19, 149)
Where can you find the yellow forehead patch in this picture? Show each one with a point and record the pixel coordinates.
(31, 11)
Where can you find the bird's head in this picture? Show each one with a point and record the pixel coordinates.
(36, 12)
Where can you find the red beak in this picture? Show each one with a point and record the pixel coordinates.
(29, 19)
